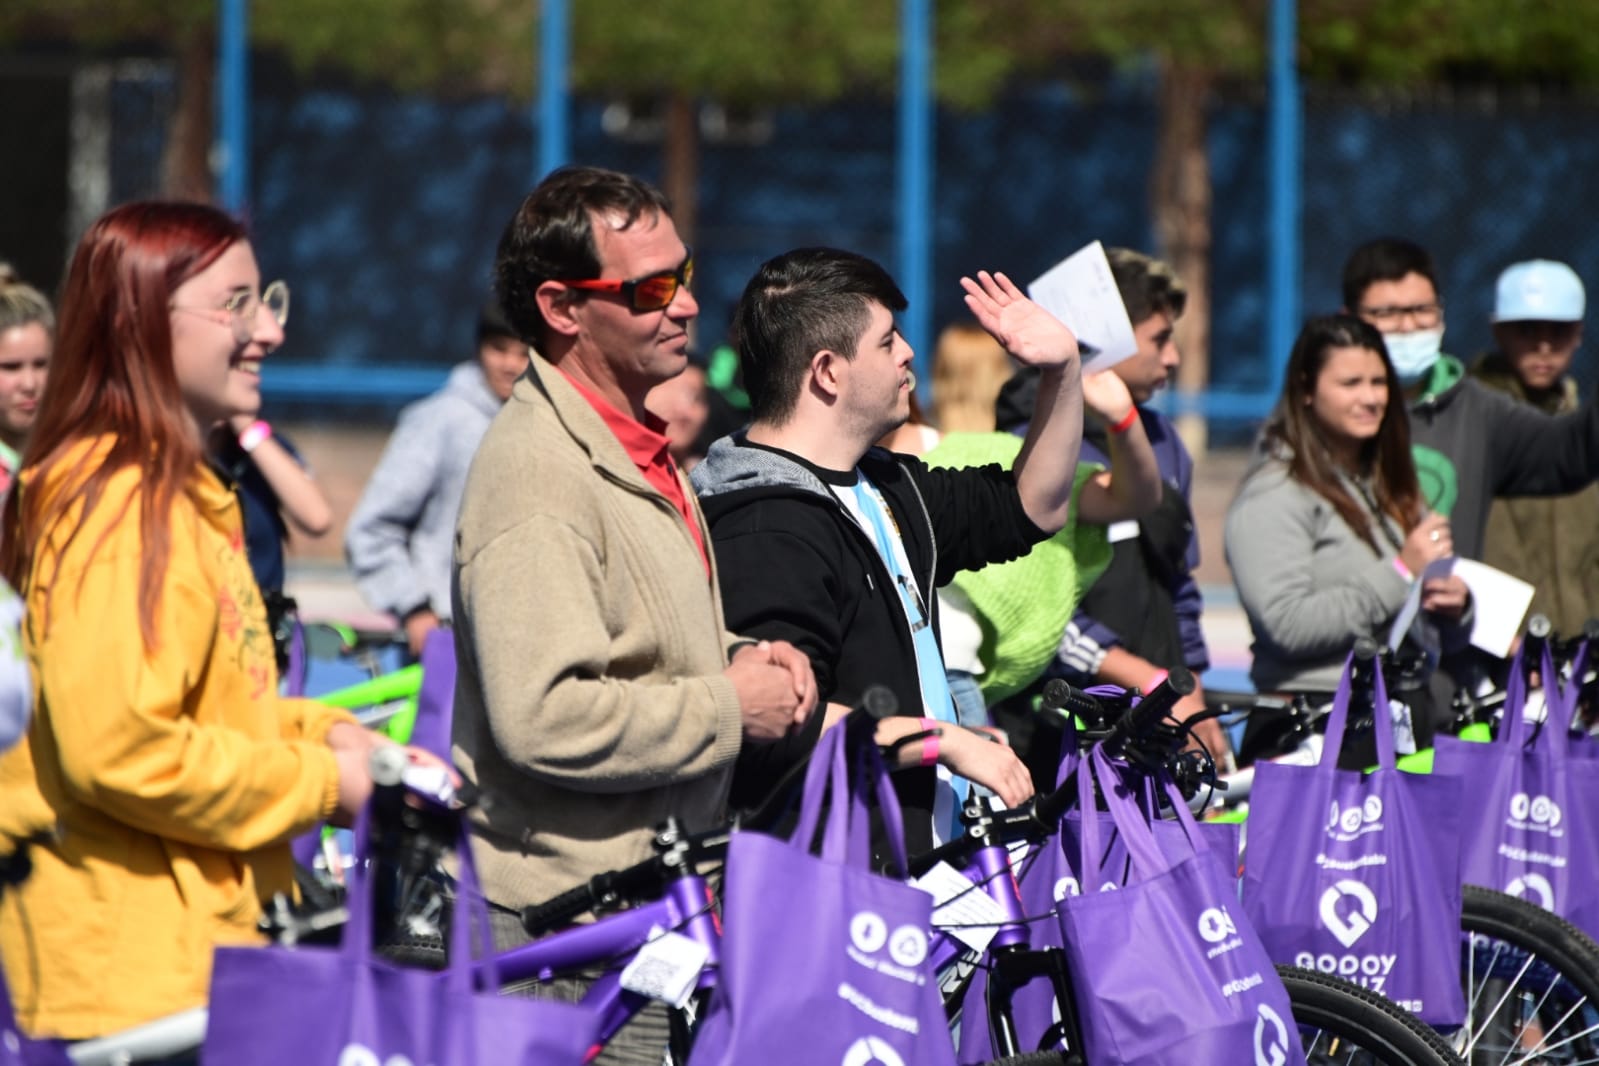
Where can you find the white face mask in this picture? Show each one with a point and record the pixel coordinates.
(1413, 354)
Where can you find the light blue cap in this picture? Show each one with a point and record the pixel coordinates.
(1539, 290)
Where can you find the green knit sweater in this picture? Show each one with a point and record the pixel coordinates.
(1023, 606)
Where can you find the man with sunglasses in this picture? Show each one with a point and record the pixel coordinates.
(1470, 442)
(1552, 542)
(598, 691)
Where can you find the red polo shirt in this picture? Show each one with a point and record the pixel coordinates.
(646, 444)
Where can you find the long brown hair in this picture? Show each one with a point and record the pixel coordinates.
(1386, 458)
(112, 375)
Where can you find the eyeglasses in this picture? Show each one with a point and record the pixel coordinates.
(652, 292)
(242, 307)
(1425, 316)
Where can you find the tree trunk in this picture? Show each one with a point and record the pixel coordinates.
(680, 165)
(186, 160)
(1180, 203)
(681, 162)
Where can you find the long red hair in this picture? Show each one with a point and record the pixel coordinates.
(112, 374)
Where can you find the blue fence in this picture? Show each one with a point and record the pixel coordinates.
(383, 210)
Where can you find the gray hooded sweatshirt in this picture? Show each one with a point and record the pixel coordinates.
(399, 541)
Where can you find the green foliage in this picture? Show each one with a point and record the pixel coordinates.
(411, 45)
(769, 51)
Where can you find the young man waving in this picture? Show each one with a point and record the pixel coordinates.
(837, 546)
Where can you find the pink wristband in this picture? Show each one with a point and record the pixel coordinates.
(929, 744)
(253, 435)
(1404, 571)
(1154, 682)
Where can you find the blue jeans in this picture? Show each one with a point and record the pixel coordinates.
(970, 709)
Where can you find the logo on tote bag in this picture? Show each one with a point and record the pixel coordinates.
(1371, 971)
(868, 931)
(1347, 823)
(1535, 888)
(1068, 886)
(1348, 930)
(360, 1055)
(870, 1051)
(1538, 814)
(1216, 927)
(1271, 1037)
(907, 947)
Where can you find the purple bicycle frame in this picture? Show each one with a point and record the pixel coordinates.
(990, 871)
(685, 907)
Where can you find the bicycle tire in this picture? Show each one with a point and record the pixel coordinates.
(1350, 1024)
(423, 951)
(1538, 968)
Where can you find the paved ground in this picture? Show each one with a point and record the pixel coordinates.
(343, 456)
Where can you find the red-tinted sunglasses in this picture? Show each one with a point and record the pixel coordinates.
(651, 293)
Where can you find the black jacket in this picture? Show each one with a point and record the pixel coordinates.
(795, 566)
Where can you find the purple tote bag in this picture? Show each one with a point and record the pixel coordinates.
(1049, 873)
(340, 1007)
(19, 1050)
(1528, 808)
(436, 700)
(1355, 874)
(824, 961)
(1168, 970)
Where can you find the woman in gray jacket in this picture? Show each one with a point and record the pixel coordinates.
(1329, 531)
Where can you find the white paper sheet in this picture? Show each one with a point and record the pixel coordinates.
(1499, 602)
(1081, 291)
(1407, 614)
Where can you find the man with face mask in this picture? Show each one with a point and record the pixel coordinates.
(1471, 443)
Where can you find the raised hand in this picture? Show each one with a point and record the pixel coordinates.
(1106, 395)
(1027, 331)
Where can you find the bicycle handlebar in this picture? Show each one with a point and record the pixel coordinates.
(1150, 711)
(1060, 696)
(676, 851)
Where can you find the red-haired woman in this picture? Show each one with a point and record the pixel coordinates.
(1329, 532)
(162, 776)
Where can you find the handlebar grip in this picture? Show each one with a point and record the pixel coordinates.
(879, 701)
(552, 914)
(1151, 710)
(1050, 809)
(387, 765)
(1060, 696)
(1366, 649)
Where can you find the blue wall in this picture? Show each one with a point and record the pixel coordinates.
(383, 211)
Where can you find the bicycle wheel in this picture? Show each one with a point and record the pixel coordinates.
(1038, 1058)
(1532, 984)
(1343, 1023)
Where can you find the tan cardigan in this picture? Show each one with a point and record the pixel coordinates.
(590, 702)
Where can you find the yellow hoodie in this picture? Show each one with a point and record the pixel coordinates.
(173, 779)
